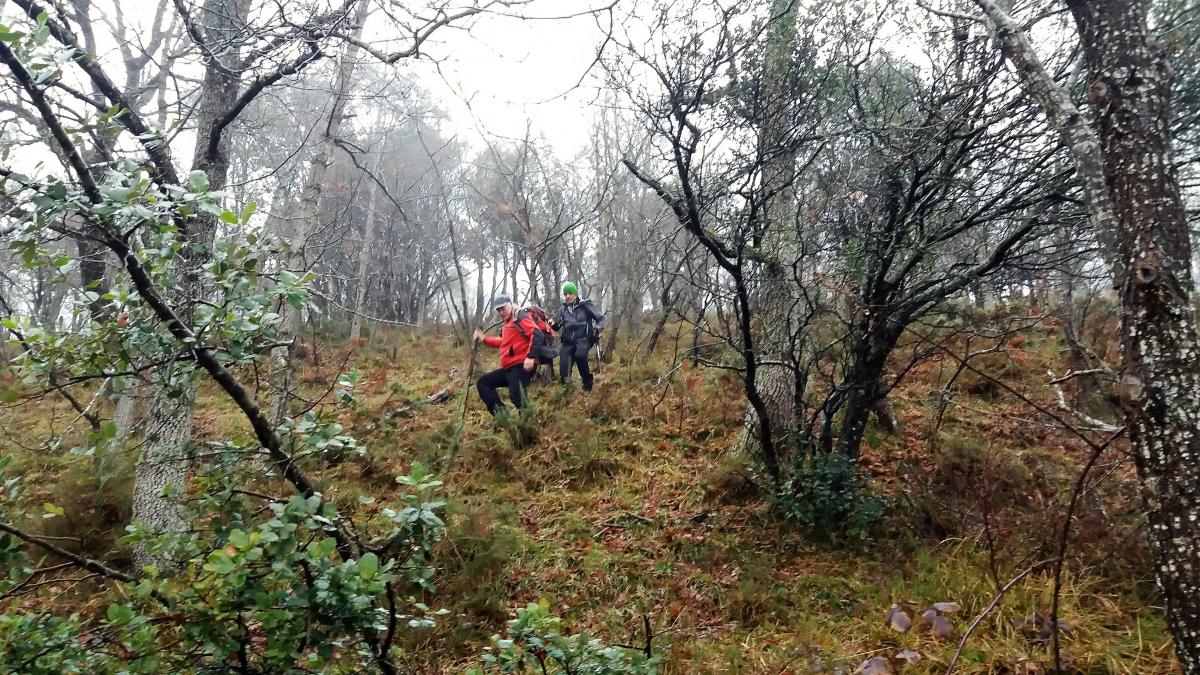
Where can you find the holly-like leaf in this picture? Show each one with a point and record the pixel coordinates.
(198, 180)
(119, 613)
(238, 539)
(368, 565)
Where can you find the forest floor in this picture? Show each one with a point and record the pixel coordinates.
(627, 508)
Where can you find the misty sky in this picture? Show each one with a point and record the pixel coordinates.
(518, 71)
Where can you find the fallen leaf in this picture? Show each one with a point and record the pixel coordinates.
(874, 666)
(897, 619)
(1027, 667)
(946, 607)
(941, 628)
(907, 657)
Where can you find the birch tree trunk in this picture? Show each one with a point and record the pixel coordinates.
(126, 411)
(478, 316)
(300, 227)
(448, 213)
(1124, 160)
(364, 261)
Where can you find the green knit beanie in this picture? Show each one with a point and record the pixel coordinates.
(570, 287)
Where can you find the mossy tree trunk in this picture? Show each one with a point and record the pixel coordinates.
(775, 380)
(162, 469)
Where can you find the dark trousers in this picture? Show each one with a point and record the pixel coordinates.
(577, 353)
(513, 377)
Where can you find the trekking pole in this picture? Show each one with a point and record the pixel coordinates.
(466, 394)
(599, 359)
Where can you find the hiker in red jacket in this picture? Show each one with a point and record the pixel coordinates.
(517, 347)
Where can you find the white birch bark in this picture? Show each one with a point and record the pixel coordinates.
(1124, 159)
(300, 226)
(364, 260)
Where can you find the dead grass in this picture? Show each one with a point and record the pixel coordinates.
(627, 504)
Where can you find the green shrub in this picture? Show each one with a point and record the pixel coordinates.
(830, 498)
(269, 590)
(533, 642)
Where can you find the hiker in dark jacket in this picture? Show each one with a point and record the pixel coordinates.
(578, 324)
(517, 348)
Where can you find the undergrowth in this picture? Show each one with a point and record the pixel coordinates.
(610, 509)
(830, 498)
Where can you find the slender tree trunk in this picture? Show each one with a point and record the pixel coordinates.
(126, 411)
(557, 267)
(282, 372)
(163, 466)
(92, 275)
(364, 261)
(665, 304)
(447, 212)
(775, 381)
(697, 331)
(619, 319)
(479, 300)
(664, 314)
(633, 310)
(50, 302)
(514, 288)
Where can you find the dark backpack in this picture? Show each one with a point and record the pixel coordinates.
(548, 351)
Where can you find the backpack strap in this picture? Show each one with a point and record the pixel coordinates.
(521, 315)
(594, 318)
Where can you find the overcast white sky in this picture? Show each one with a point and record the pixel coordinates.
(494, 74)
(497, 75)
(516, 72)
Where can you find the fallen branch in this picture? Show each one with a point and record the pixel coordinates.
(991, 606)
(1092, 422)
(88, 564)
(440, 396)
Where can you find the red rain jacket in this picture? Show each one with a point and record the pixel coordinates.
(514, 347)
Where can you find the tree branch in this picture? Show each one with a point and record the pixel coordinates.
(159, 153)
(78, 560)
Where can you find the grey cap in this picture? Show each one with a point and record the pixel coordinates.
(500, 300)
